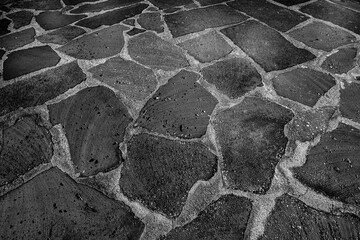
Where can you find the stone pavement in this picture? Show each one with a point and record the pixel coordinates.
(180, 119)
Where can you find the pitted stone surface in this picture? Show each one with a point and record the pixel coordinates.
(38, 4)
(41, 88)
(135, 31)
(129, 21)
(252, 140)
(210, 2)
(151, 21)
(224, 219)
(53, 206)
(266, 46)
(341, 61)
(303, 85)
(196, 20)
(102, 6)
(291, 2)
(349, 97)
(160, 172)
(51, 20)
(208, 47)
(94, 121)
(21, 18)
(62, 35)
(233, 77)
(170, 3)
(24, 145)
(180, 108)
(17, 39)
(353, 4)
(153, 51)
(4, 24)
(134, 81)
(292, 219)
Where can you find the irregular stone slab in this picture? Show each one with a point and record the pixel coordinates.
(233, 77)
(292, 219)
(62, 35)
(135, 31)
(51, 20)
(353, 4)
(151, 21)
(102, 6)
(303, 85)
(76, 2)
(252, 140)
(153, 51)
(334, 13)
(291, 2)
(210, 2)
(129, 21)
(134, 81)
(180, 108)
(160, 172)
(224, 219)
(94, 121)
(349, 96)
(40, 88)
(266, 46)
(208, 47)
(17, 39)
(24, 145)
(101, 44)
(53, 206)
(280, 18)
(322, 36)
(170, 3)
(112, 17)
(341, 62)
(196, 20)
(4, 24)
(38, 4)
(29, 60)
(21, 18)
(2, 52)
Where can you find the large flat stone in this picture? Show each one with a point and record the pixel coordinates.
(291, 2)
(4, 24)
(21, 18)
(62, 35)
(38, 4)
(102, 6)
(151, 21)
(160, 172)
(341, 62)
(170, 3)
(349, 97)
(266, 46)
(51, 20)
(353, 4)
(76, 2)
(210, 2)
(135, 31)
(17, 39)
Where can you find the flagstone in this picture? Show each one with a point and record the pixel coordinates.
(62, 35)
(52, 20)
(21, 18)
(151, 21)
(102, 6)
(17, 39)
(340, 62)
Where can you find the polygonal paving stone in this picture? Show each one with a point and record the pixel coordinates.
(135, 31)
(134, 81)
(51, 20)
(53, 206)
(94, 121)
(266, 46)
(280, 18)
(291, 2)
(180, 108)
(151, 21)
(303, 85)
(29, 60)
(341, 61)
(21, 18)
(170, 3)
(353, 4)
(153, 51)
(24, 145)
(4, 24)
(103, 43)
(160, 172)
(252, 140)
(334, 13)
(322, 36)
(40, 88)
(76, 2)
(196, 20)
(233, 77)
(38, 4)
(292, 219)
(208, 47)
(17, 39)
(210, 2)
(129, 21)
(349, 97)
(224, 219)
(112, 17)
(102, 6)
(2, 52)
(62, 35)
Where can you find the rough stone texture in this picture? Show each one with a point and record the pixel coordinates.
(160, 172)
(224, 219)
(102, 6)
(21, 18)
(38, 4)
(94, 121)
(24, 145)
(196, 20)
(210, 2)
(103, 43)
(291, 2)
(334, 13)
(208, 47)
(266, 46)
(4, 24)
(53, 206)
(170, 3)
(17, 39)
(322, 36)
(349, 97)
(151, 21)
(41, 88)
(303, 85)
(51, 20)
(180, 108)
(341, 61)
(292, 219)
(29, 60)
(252, 140)
(153, 51)
(353, 4)
(129, 21)
(135, 31)
(62, 35)
(112, 17)
(2, 52)
(76, 2)
(233, 77)
(133, 81)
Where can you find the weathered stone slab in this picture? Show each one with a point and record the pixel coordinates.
(180, 108)
(76, 2)
(353, 4)
(129, 21)
(62, 35)
(210, 2)
(2, 52)
(51, 20)
(21, 18)
(170, 3)
(252, 140)
(135, 31)
(38, 4)
(349, 97)
(341, 62)
(291, 2)
(151, 21)
(4, 24)
(303, 85)
(53, 206)
(102, 6)
(196, 20)
(160, 172)
(17, 39)
(266, 46)
(41, 88)
(233, 77)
